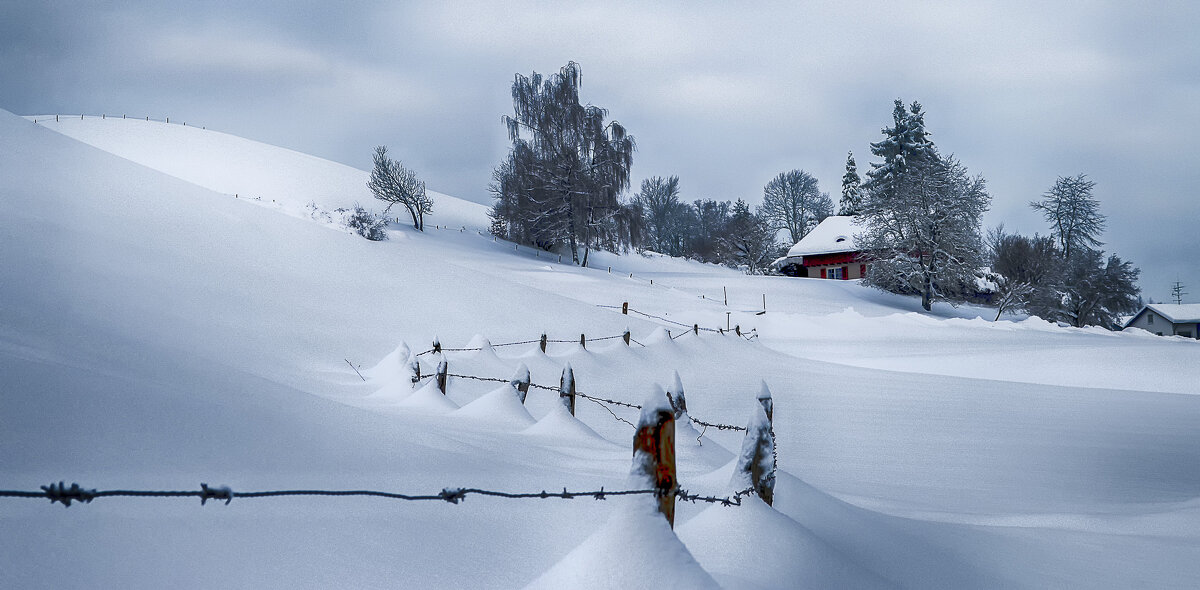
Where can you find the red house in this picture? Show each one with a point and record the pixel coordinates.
(827, 252)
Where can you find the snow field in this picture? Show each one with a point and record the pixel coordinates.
(156, 332)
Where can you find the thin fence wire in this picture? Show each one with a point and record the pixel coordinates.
(692, 327)
(603, 402)
(60, 493)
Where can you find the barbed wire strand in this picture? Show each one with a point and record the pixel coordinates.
(60, 493)
(599, 400)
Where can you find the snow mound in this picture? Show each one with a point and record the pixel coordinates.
(560, 425)
(634, 549)
(754, 546)
(428, 400)
(499, 407)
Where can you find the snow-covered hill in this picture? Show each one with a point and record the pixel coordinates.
(157, 332)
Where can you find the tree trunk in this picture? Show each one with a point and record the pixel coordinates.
(413, 213)
(927, 294)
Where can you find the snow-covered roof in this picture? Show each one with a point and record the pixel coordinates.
(835, 234)
(1177, 313)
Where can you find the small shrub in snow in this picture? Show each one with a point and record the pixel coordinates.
(316, 213)
(364, 223)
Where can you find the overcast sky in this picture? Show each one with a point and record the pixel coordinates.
(724, 95)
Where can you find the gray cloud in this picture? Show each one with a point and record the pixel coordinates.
(723, 96)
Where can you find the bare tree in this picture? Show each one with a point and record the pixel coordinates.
(1027, 269)
(394, 184)
(792, 201)
(1073, 214)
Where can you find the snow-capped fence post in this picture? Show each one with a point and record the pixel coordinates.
(738, 329)
(767, 402)
(756, 463)
(520, 381)
(654, 452)
(626, 337)
(414, 369)
(625, 307)
(441, 375)
(696, 329)
(437, 346)
(542, 342)
(566, 389)
(583, 341)
(676, 397)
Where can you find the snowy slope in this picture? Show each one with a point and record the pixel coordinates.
(156, 332)
(233, 165)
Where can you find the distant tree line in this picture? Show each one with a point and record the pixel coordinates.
(706, 230)
(563, 183)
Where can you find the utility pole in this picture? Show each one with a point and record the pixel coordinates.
(1177, 292)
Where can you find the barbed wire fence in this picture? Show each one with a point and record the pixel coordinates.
(58, 118)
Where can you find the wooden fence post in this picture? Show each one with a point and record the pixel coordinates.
(437, 346)
(441, 375)
(738, 329)
(625, 307)
(542, 343)
(583, 341)
(654, 452)
(756, 462)
(626, 337)
(696, 329)
(566, 389)
(520, 381)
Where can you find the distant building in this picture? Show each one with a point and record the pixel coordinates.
(826, 252)
(1168, 319)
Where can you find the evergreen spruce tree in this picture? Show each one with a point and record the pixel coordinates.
(905, 145)
(851, 201)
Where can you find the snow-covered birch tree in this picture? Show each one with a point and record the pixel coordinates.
(561, 181)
